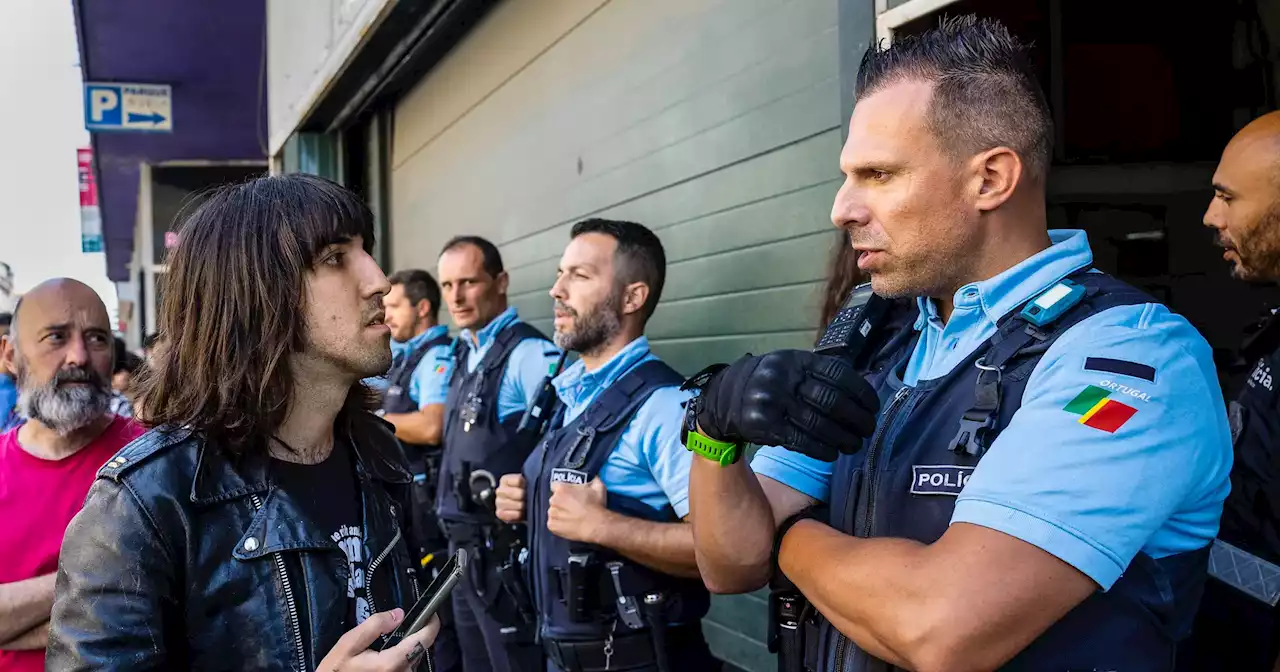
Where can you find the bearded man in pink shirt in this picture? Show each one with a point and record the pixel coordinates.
(60, 349)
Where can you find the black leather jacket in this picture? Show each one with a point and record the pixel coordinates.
(184, 558)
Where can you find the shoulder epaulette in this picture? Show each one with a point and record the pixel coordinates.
(141, 450)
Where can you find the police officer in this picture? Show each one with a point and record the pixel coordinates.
(1031, 471)
(1236, 628)
(606, 492)
(413, 401)
(421, 365)
(499, 366)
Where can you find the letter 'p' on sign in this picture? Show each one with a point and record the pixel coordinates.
(101, 102)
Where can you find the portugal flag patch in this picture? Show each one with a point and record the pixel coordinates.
(1098, 411)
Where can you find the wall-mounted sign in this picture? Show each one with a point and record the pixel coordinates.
(112, 106)
(90, 216)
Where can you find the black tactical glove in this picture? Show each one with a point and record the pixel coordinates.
(813, 404)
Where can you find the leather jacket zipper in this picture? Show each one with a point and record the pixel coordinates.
(868, 517)
(290, 603)
(368, 583)
(373, 567)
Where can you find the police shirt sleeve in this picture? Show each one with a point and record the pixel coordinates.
(430, 382)
(794, 470)
(1120, 446)
(664, 454)
(528, 366)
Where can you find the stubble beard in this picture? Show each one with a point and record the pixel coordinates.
(593, 329)
(1259, 249)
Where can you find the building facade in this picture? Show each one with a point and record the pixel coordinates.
(718, 123)
(212, 55)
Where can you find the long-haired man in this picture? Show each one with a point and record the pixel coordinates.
(258, 525)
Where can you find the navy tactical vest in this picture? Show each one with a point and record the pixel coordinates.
(1251, 513)
(475, 442)
(1238, 626)
(904, 484)
(574, 584)
(396, 399)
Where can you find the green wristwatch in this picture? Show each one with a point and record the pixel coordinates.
(724, 453)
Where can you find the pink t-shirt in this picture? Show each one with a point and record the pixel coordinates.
(38, 498)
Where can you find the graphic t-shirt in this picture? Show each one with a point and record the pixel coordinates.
(38, 498)
(329, 495)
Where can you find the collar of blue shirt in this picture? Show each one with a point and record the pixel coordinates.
(413, 343)
(480, 340)
(1002, 294)
(577, 387)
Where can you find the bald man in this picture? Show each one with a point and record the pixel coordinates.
(1237, 627)
(60, 350)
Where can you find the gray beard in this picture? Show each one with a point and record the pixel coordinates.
(63, 409)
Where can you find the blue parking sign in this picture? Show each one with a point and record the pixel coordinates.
(119, 106)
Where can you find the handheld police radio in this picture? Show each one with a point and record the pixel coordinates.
(854, 324)
(537, 416)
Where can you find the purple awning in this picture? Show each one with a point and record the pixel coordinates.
(212, 54)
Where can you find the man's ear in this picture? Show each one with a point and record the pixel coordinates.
(634, 297)
(503, 281)
(7, 354)
(998, 173)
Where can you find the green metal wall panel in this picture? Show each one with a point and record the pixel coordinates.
(714, 122)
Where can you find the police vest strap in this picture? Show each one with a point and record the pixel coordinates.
(507, 341)
(1017, 335)
(616, 405)
(503, 344)
(415, 357)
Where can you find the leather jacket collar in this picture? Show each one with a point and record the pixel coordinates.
(220, 476)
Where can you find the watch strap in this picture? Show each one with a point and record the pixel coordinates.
(724, 453)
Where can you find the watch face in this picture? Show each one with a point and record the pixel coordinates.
(691, 409)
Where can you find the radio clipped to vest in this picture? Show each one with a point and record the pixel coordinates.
(854, 325)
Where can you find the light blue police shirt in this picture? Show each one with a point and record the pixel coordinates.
(1092, 498)
(430, 380)
(649, 463)
(527, 366)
